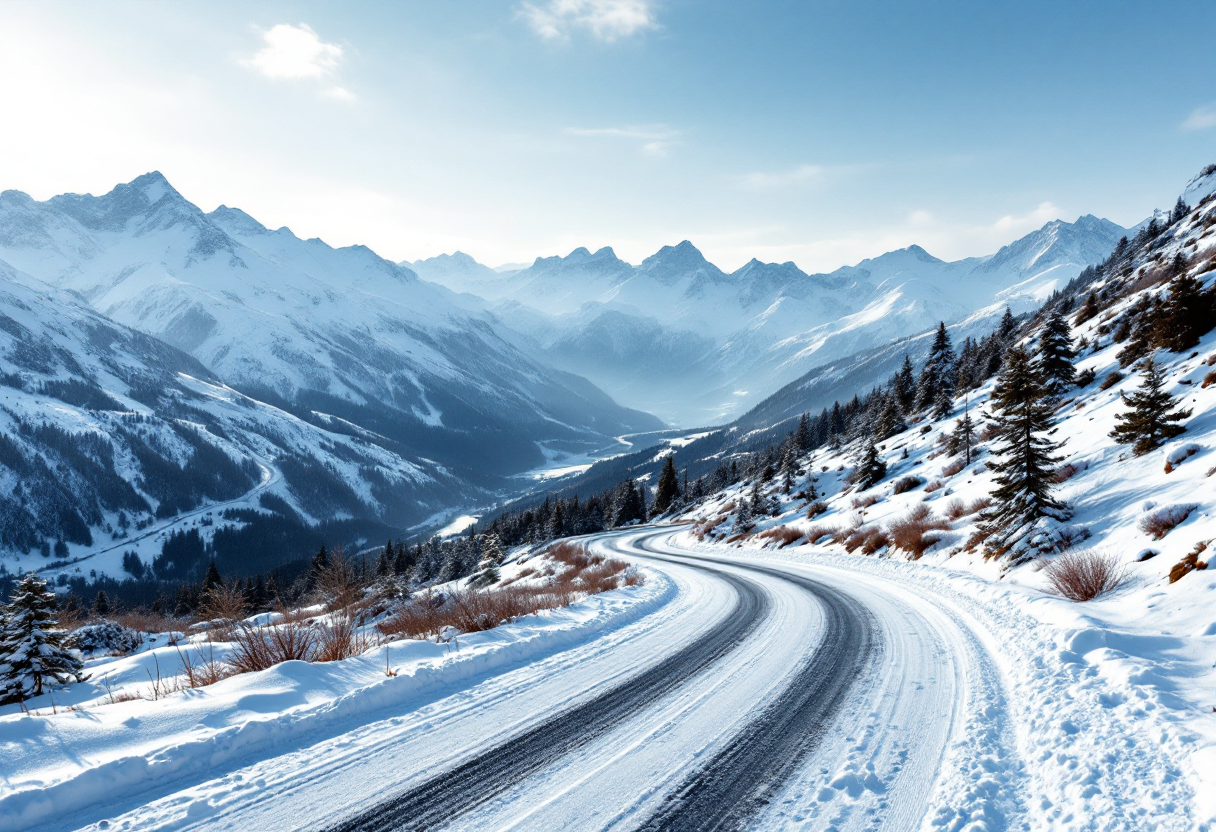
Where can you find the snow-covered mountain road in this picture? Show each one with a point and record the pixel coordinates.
(759, 695)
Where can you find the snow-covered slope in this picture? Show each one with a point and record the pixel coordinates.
(680, 338)
(324, 332)
(1132, 669)
(111, 439)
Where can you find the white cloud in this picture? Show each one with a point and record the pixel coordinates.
(654, 139)
(765, 181)
(606, 20)
(1201, 118)
(297, 53)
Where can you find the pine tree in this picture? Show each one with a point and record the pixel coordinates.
(1181, 209)
(1056, 354)
(963, 437)
(320, 562)
(1186, 316)
(870, 469)
(491, 558)
(1025, 454)
(667, 492)
(31, 649)
(743, 517)
(1151, 419)
(905, 385)
(891, 419)
(1145, 330)
(1089, 309)
(212, 579)
(101, 604)
(935, 389)
(803, 436)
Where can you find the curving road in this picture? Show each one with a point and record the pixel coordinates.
(762, 695)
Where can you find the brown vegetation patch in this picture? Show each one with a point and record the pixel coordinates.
(934, 485)
(906, 484)
(1160, 522)
(1110, 380)
(952, 468)
(784, 535)
(912, 533)
(1188, 564)
(1084, 574)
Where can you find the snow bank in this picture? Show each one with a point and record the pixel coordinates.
(56, 765)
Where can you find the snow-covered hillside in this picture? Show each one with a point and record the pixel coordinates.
(1133, 668)
(680, 338)
(328, 333)
(110, 440)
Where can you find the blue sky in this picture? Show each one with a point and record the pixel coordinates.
(815, 132)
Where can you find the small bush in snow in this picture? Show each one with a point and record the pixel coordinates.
(1082, 575)
(910, 533)
(905, 484)
(784, 535)
(952, 468)
(108, 636)
(1188, 564)
(1111, 380)
(1159, 523)
(815, 509)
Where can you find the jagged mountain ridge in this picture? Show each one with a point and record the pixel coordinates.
(740, 335)
(322, 332)
(110, 439)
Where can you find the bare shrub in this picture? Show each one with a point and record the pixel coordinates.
(815, 509)
(223, 605)
(259, 647)
(1066, 472)
(340, 638)
(865, 502)
(1160, 522)
(202, 669)
(1110, 380)
(906, 484)
(1083, 574)
(784, 535)
(1209, 379)
(934, 485)
(956, 509)
(337, 583)
(816, 533)
(911, 534)
(869, 539)
(952, 468)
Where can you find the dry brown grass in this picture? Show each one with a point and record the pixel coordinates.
(1160, 522)
(912, 533)
(815, 509)
(200, 667)
(223, 605)
(869, 539)
(934, 485)
(259, 647)
(340, 638)
(956, 509)
(952, 468)
(865, 502)
(1083, 574)
(1110, 380)
(783, 535)
(149, 622)
(816, 533)
(906, 484)
(1209, 379)
(1189, 564)
(578, 574)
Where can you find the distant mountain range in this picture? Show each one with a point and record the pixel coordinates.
(678, 337)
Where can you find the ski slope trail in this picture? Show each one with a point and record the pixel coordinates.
(761, 695)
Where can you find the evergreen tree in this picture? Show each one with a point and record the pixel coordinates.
(1152, 418)
(935, 389)
(1089, 309)
(1186, 316)
(870, 469)
(963, 437)
(491, 558)
(802, 436)
(1025, 454)
(667, 492)
(101, 604)
(403, 561)
(1181, 209)
(32, 652)
(743, 517)
(891, 419)
(905, 385)
(1145, 330)
(1056, 354)
(320, 562)
(212, 579)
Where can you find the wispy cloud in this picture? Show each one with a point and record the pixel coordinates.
(1201, 118)
(297, 53)
(767, 181)
(607, 20)
(654, 139)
